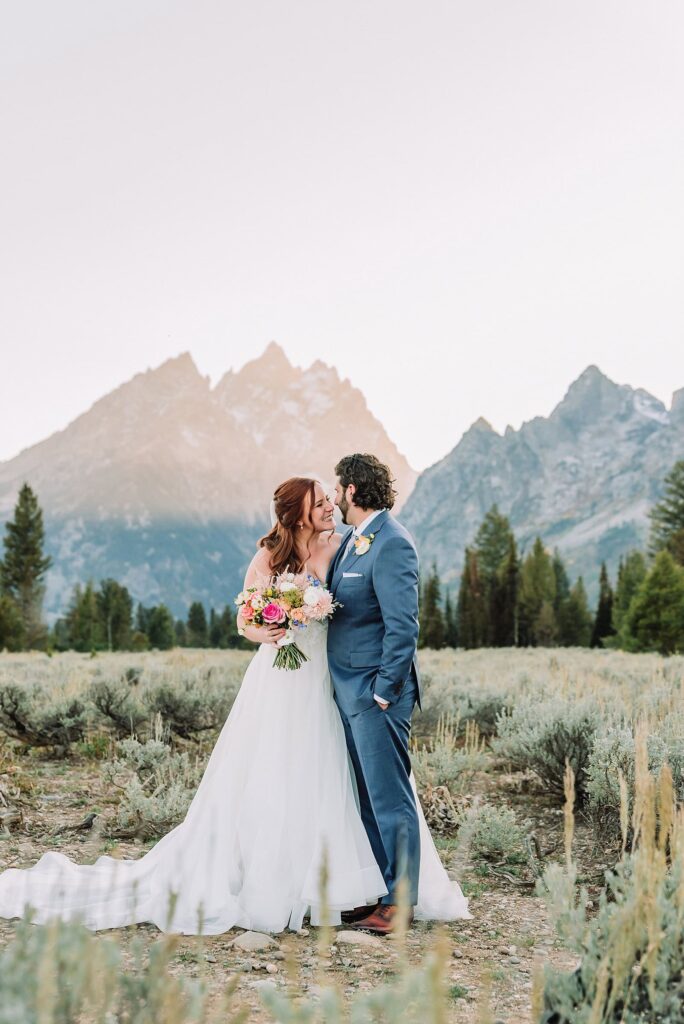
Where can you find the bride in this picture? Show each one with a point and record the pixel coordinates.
(276, 800)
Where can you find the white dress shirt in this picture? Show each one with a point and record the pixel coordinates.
(360, 531)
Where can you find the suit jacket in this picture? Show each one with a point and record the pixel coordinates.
(372, 637)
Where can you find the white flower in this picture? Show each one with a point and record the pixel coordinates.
(284, 587)
(311, 596)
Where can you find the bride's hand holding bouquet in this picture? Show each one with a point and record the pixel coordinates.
(281, 607)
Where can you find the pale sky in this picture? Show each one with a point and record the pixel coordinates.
(460, 205)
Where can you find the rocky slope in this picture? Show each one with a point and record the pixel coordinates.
(584, 478)
(165, 483)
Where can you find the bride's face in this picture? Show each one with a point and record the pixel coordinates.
(322, 511)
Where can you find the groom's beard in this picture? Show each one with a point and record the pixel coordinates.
(343, 506)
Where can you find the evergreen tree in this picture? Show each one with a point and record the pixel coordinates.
(498, 570)
(431, 618)
(537, 589)
(562, 581)
(23, 569)
(83, 620)
(492, 542)
(655, 620)
(545, 629)
(228, 629)
(214, 629)
(222, 629)
(631, 574)
(450, 623)
(603, 623)
(142, 618)
(667, 517)
(116, 613)
(472, 604)
(181, 632)
(198, 631)
(58, 638)
(160, 628)
(11, 625)
(505, 615)
(575, 619)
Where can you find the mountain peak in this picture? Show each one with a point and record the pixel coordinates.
(589, 398)
(590, 379)
(272, 365)
(481, 425)
(182, 365)
(274, 357)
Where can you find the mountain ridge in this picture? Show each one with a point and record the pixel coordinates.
(164, 482)
(582, 478)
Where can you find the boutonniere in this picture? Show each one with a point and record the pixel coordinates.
(362, 544)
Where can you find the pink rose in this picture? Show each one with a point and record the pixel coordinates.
(273, 614)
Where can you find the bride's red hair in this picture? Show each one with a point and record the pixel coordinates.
(289, 506)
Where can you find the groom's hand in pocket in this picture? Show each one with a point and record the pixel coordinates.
(384, 704)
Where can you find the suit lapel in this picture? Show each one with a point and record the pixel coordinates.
(353, 558)
(334, 565)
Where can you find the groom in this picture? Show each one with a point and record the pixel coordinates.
(372, 655)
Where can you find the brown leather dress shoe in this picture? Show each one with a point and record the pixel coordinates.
(382, 921)
(349, 916)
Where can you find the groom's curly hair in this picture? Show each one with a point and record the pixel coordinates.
(372, 479)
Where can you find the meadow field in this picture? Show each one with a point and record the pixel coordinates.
(552, 780)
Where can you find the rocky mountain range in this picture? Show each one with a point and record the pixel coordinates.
(584, 478)
(164, 483)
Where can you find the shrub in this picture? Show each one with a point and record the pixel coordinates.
(188, 708)
(492, 833)
(445, 761)
(37, 718)
(483, 707)
(157, 787)
(632, 954)
(543, 735)
(62, 973)
(613, 757)
(118, 705)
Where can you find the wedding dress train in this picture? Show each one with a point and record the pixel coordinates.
(276, 798)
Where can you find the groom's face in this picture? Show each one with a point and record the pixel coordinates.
(343, 499)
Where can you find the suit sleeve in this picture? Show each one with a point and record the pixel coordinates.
(395, 580)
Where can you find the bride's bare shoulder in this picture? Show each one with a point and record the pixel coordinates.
(258, 567)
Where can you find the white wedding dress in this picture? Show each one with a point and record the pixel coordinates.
(276, 798)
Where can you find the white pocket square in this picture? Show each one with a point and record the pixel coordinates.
(346, 575)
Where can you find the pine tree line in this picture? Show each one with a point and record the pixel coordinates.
(103, 620)
(506, 600)
(98, 618)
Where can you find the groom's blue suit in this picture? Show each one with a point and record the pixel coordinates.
(372, 651)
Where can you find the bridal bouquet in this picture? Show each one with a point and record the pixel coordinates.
(291, 600)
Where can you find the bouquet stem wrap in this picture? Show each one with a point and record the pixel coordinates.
(289, 656)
